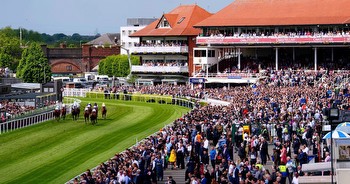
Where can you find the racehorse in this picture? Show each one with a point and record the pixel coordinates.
(57, 114)
(75, 112)
(89, 108)
(86, 114)
(63, 112)
(104, 111)
(93, 117)
(78, 111)
(96, 108)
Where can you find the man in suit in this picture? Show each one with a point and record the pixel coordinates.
(234, 175)
(204, 180)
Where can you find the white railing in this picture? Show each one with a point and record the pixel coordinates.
(159, 49)
(229, 75)
(12, 125)
(75, 92)
(160, 69)
(15, 124)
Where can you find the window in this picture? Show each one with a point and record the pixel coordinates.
(200, 53)
(211, 53)
(164, 23)
(182, 19)
(69, 68)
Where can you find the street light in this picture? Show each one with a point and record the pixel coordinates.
(333, 114)
(129, 59)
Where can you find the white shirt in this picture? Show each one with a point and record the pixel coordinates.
(306, 150)
(230, 169)
(206, 144)
(295, 180)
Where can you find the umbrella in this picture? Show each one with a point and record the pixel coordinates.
(336, 134)
(345, 127)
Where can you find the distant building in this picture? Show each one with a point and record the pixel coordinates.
(133, 25)
(106, 39)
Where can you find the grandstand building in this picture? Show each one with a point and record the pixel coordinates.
(166, 46)
(250, 35)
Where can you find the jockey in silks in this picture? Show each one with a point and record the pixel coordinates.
(76, 104)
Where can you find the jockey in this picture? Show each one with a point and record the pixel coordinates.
(75, 104)
(89, 105)
(103, 105)
(86, 109)
(63, 105)
(93, 110)
(57, 108)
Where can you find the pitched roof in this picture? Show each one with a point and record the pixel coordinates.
(107, 38)
(280, 12)
(181, 21)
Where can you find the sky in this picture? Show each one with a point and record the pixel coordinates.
(88, 17)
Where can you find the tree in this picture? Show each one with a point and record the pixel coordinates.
(117, 65)
(34, 67)
(10, 50)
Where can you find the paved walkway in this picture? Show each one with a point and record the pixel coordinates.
(179, 174)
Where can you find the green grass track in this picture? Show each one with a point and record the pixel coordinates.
(54, 152)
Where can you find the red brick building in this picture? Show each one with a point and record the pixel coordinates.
(65, 60)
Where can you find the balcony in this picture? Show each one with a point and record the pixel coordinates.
(159, 49)
(159, 69)
(249, 40)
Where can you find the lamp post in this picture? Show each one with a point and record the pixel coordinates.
(128, 52)
(333, 115)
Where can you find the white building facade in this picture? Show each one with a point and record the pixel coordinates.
(133, 25)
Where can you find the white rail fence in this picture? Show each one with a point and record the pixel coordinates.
(185, 102)
(15, 124)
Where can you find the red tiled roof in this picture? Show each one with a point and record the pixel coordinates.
(280, 12)
(192, 15)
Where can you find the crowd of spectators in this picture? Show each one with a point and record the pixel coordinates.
(289, 34)
(5, 72)
(9, 109)
(283, 109)
(167, 63)
(161, 44)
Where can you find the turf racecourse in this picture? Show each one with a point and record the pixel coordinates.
(54, 152)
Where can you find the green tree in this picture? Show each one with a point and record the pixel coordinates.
(117, 65)
(10, 51)
(34, 67)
